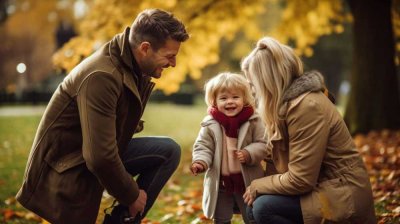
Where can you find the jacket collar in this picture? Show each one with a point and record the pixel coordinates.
(311, 81)
(124, 61)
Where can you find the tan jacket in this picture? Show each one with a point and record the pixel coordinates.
(208, 149)
(84, 130)
(317, 159)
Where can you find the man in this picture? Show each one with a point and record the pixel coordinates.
(84, 141)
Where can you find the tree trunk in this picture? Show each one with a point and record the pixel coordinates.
(3, 11)
(374, 102)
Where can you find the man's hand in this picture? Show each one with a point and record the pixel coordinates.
(196, 168)
(138, 206)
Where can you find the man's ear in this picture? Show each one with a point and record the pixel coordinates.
(144, 48)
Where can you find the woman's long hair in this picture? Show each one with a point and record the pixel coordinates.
(271, 67)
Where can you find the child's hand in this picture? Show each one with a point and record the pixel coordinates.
(196, 168)
(243, 156)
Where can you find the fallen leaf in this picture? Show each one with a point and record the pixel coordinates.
(10, 201)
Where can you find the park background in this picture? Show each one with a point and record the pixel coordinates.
(354, 43)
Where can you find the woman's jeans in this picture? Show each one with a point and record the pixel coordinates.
(273, 209)
(153, 160)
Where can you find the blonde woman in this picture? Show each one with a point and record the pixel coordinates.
(229, 147)
(321, 176)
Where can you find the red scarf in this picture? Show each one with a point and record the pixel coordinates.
(231, 124)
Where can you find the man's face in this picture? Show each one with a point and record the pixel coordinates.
(156, 61)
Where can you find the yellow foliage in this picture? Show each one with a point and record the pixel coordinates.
(300, 22)
(303, 22)
(208, 22)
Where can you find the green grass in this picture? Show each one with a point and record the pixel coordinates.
(179, 122)
(16, 136)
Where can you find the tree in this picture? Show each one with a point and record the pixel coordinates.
(374, 99)
(3, 11)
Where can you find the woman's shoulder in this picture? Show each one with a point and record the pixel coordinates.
(311, 104)
(309, 101)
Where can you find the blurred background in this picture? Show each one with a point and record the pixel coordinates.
(355, 44)
(42, 41)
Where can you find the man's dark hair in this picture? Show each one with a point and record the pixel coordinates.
(156, 27)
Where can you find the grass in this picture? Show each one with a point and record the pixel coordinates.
(179, 122)
(16, 136)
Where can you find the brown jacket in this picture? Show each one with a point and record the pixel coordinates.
(84, 130)
(316, 158)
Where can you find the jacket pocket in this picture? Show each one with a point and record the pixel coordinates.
(333, 201)
(65, 162)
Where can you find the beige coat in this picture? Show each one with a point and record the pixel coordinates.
(208, 148)
(84, 130)
(317, 159)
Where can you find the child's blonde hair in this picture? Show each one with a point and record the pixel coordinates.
(227, 81)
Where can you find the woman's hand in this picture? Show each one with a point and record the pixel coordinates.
(249, 196)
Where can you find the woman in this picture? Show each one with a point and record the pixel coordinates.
(321, 176)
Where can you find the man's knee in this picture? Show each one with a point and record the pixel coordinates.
(173, 148)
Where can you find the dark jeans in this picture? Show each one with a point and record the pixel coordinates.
(153, 160)
(278, 209)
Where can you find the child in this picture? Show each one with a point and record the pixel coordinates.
(230, 146)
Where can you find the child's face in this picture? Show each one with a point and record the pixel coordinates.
(230, 102)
